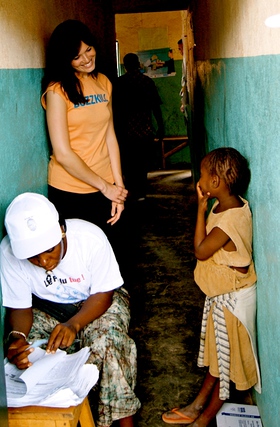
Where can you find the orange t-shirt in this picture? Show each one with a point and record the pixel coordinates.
(87, 124)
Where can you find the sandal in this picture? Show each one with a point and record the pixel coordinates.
(183, 419)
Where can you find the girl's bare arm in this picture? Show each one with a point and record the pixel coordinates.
(205, 245)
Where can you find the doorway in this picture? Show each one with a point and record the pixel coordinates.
(149, 31)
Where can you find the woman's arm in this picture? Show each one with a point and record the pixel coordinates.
(20, 319)
(114, 154)
(205, 245)
(64, 334)
(70, 161)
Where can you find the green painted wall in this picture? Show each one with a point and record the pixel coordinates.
(242, 104)
(24, 156)
(24, 148)
(168, 89)
(174, 123)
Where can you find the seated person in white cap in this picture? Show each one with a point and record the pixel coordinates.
(70, 274)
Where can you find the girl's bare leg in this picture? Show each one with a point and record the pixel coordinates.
(195, 409)
(126, 422)
(210, 411)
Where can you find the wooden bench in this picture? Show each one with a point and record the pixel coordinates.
(182, 142)
(40, 416)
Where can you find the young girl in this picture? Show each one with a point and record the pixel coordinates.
(225, 273)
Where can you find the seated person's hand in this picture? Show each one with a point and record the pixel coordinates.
(18, 352)
(62, 337)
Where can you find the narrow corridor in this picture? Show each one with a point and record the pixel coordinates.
(166, 303)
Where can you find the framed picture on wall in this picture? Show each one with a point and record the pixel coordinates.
(157, 62)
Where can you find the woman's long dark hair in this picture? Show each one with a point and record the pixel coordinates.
(64, 46)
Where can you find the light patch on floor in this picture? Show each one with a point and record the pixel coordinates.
(170, 175)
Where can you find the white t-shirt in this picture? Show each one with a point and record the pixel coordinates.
(88, 267)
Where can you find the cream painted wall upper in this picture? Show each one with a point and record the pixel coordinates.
(130, 28)
(232, 30)
(25, 27)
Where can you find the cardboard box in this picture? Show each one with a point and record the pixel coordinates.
(238, 415)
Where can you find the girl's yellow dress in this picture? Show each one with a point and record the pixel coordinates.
(228, 338)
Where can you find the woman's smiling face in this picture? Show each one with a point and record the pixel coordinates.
(84, 62)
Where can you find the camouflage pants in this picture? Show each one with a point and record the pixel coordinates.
(112, 350)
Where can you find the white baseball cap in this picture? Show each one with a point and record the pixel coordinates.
(32, 223)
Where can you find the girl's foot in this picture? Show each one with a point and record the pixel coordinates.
(180, 416)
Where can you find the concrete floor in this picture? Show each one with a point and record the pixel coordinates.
(166, 304)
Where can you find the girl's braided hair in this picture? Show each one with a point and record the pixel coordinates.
(231, 166)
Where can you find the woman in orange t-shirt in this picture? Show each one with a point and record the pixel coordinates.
(84, 177)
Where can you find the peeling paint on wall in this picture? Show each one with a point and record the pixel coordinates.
(205, 69)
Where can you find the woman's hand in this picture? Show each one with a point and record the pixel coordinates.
(18, 352)
(116, 211)
(62, 336)
(71, 161)
(115, 193)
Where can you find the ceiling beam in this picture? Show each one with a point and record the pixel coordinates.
(138, 6)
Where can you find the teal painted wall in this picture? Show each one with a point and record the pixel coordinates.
(242, 104)
(23, 146)
(24, 156)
